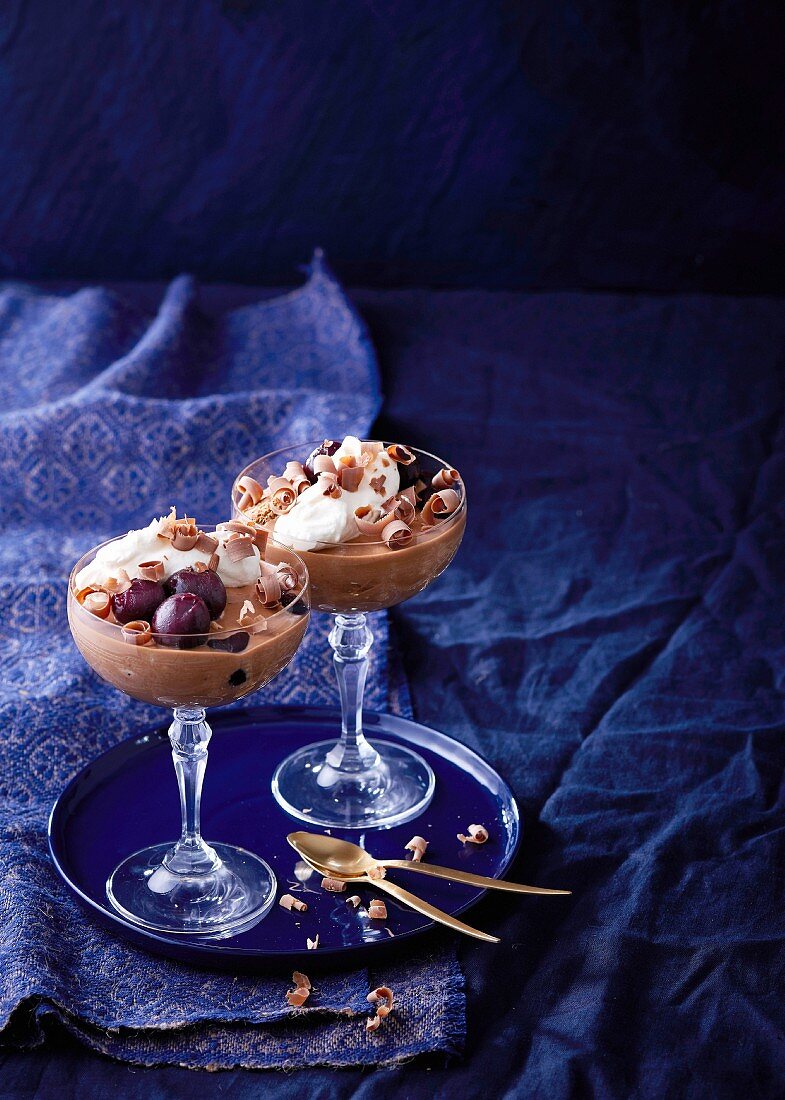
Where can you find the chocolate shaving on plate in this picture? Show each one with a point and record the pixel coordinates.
(288, 902)
(377, 910)
(478, 834)
(417, 846)
(333, 885)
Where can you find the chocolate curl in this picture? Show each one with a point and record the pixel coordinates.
(312, 944)
(288, 902)
(323, 464)
(417, 846)
(214, 562)
(199, 567)
(206, 543)
(98, 604)
(351, 477)
(381, 993)
(260, 537)
(81, 593)
(282, 495)
(118, 583)
(404, 510)
(287, 576)
(478, 834)
(331, 487)
(401, 454)
(137, 633)
(333, 885)
(295, 473)
(371, 527)
(298, 997)
(371, 448)
(354, 900)
(268, 588)
(185, 535)
(248, 488)
(396, 535)
(151, 570)
(445, 479)
(247, 611)
(166, 524)
(238, 547)
(237, 527)
(439, 506)
(377, 910)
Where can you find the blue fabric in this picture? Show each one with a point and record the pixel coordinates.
(109, 415)
(550, 145)
(610, 636)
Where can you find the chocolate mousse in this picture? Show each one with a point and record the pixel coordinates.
(375, 523)
(179, 615)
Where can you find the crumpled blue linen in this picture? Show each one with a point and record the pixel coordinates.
(108, 415)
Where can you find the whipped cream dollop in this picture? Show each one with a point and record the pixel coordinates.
(145, 544)
(316, 519)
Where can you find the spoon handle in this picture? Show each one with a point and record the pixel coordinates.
(467, 877)
(427, 909)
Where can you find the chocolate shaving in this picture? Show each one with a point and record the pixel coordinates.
(323, 464)
(295, 473)
(118, 583)
(80, 594)
(282, 494)
(371, 448)
(238, 547)
(298, 997)
(445, 479)
(372, 1023)
(401, 454)
(199, 567)
(237, 527)
(185, 535)
(287, 576)
(312, 944)
(288, 902)
(213, 562)
(206, 543)
(377, 910)
(247, 611)
(396, 535)
(404, 510)
(351, 478)
(331, 488)
(333, 885)
(377, 484)
(302, 981)
(151, 570)
(166, 524)
(98, 604)
(354, 900)
(417, 846)
(478, 834)
(250, 489)
(439, 506)
(371, 527)
(137, 632)
(377, 872)
(268, 588)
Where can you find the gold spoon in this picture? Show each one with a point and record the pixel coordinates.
(418, 904)
(342, 859)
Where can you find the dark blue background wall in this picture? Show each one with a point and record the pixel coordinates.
(462, 143)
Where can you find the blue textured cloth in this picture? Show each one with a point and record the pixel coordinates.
(109, 415)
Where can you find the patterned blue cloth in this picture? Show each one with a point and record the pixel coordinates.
(109, 416)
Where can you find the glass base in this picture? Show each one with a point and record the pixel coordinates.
(397, 788)
(230, 898)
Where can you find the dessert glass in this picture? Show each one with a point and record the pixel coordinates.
(353, 784)
(192, 887)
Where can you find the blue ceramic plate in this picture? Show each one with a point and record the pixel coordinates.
(127, 799)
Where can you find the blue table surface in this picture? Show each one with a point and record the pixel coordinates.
(610, 638)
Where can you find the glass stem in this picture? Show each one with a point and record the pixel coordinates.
(351, 641)
(190, 735)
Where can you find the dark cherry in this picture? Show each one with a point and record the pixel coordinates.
(329, 447)
(207, 585)
(185, 617)
(140, 601)
(298, 608)
(233, 643)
